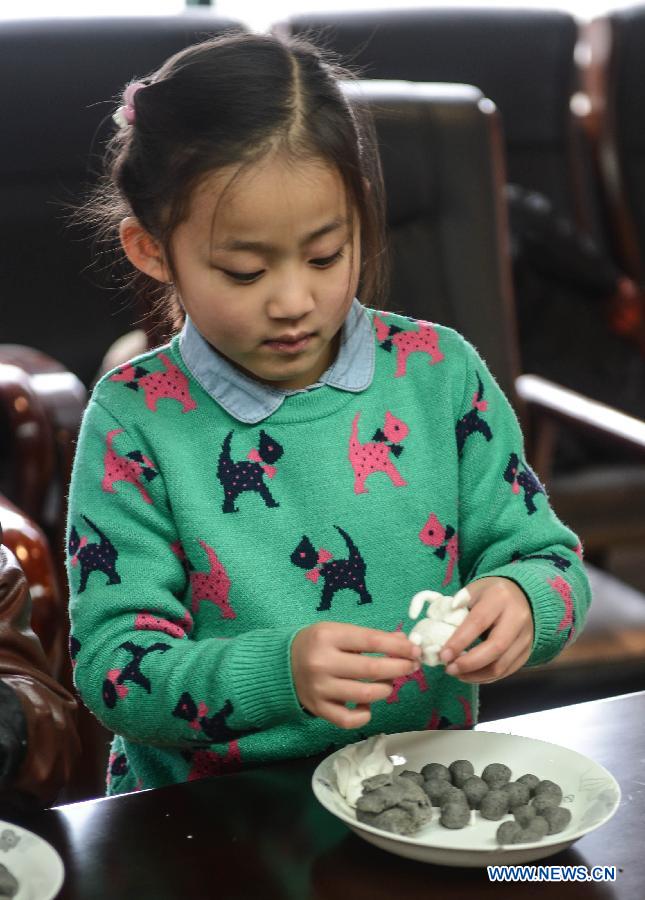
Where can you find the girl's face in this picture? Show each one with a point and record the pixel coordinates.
(268, 274)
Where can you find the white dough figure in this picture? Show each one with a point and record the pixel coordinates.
(443, 616)
(359, 761)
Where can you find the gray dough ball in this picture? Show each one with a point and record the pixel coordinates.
(475, 789)
(436, 788)
(543, 801)
(518, 794)
(8, 884)
(494, 805)
(496, 775)
(525, 837)
(461, 769)
(535, 832)
(377, 781)
(548, 788)
(455, 814)
(508, 832)
(557, 818)
(416, 777)
(537, 828)
(436, 770)
(454, 795)
(531, 781)
(524, 814)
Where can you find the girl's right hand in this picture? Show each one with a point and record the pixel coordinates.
(330, 669)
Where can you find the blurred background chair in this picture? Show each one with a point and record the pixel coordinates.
(523, 60)
(58, 79)
(49, 608)
(41, 406)
(612, 69)
(39, 740)
(446, 227)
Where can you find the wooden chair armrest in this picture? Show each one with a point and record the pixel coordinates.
(27, 541)
(61, 392)
(546, 399)
(27, 432)
(60, 398)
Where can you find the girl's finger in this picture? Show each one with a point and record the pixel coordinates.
(370, 668)
(480, 618)
(363, 693)
(501, 638)
(357, 639)
(342, 716)
(508, 663)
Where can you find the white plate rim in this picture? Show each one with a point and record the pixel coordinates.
(49, 852)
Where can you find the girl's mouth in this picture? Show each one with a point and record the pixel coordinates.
(289, 344)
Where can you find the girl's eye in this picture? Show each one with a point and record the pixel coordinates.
(243, 277)
(326, 261)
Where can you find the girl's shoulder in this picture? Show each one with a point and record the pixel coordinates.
(448, 342)
(154, 372)
(137, 367)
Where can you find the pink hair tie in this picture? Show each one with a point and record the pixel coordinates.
(125, 115)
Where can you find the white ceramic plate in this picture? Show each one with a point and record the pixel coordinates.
(590, 792)
(32, 861)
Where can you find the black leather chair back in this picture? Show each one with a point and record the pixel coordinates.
(443, 171)
(57, 78)
(617, 43)
(522, 59)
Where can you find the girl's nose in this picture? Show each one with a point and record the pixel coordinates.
(291, 298)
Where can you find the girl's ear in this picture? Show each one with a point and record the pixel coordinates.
(144, 251)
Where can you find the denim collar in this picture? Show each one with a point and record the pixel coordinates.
(252, 401)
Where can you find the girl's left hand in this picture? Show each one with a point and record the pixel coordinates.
(499, 608)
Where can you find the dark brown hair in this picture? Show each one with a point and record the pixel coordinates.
(228, 101)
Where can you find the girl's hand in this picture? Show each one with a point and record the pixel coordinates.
(329, 669)
(501, 610)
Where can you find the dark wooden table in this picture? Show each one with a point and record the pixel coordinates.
(262, 835)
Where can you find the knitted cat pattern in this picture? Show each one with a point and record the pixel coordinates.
(198, 546)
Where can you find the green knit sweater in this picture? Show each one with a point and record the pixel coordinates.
(199, 546)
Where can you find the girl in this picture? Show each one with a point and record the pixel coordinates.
(254, 504)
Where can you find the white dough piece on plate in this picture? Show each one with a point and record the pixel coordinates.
(357, 762)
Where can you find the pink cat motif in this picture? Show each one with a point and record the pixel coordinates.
(446, 542)
(376, 455)
(424, 340)
(207, 762)
(564, 590)
(130, 468)
(213, 585)
(179, 628)
(170, 384)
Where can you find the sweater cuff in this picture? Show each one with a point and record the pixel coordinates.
(546, 608)
(261, 671)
